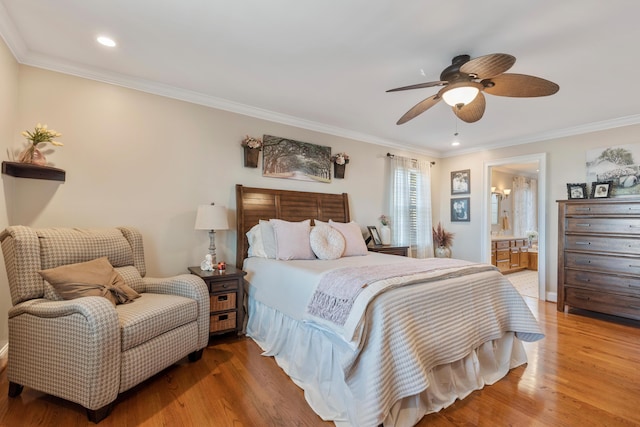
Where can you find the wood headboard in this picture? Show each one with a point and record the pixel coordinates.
(254, 204)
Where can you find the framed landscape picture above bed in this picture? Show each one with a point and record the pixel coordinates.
(290, 159)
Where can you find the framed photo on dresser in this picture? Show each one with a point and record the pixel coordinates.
(577, 191)
(601, 190)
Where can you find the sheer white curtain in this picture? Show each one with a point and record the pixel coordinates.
(525, 212)
(410, 205)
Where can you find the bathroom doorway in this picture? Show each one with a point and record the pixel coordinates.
(502, 219)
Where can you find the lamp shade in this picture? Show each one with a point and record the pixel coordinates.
(211, 217)
(460, 95)
(506, 191)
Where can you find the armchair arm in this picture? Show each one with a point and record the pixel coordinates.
(188, 286)
(70, 349)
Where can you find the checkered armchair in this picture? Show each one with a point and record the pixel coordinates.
(87, 350)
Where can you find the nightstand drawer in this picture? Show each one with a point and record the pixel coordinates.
(222, 302)
(222, 322)
(226, 285)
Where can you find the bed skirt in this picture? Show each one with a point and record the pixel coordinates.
(314, 359)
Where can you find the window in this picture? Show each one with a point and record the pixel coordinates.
(410, 209)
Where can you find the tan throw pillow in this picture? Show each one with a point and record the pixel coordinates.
(91, 278)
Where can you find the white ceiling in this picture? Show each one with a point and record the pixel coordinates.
(325, 65)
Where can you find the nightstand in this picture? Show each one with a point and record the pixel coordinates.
(391, 250)
(226, 290)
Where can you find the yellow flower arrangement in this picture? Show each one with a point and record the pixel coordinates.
(42, 134)
(39, 135)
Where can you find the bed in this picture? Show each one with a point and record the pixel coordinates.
(409, 344)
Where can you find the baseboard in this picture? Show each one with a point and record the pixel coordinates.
(552, 297)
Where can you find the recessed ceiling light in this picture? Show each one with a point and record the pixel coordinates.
(106, 41)
(455, 143)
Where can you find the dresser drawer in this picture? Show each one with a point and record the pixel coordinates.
(222, 302)
(602, 244)
(223, 285)
(222, 322)
(619, 305)
(502, 244)
(503, 254)
(604, 263)
(603, 209)
(503, 265)
(603, 225)
(603, 282)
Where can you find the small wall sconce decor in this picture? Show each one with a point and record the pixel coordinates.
(506, 192)
(252, 147)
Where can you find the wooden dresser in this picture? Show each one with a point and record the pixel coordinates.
(599, 256)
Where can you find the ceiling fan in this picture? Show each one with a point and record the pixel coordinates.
(465, 80)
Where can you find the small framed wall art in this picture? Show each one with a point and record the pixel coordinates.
(460, 182)
(577, 191)
(460, 210)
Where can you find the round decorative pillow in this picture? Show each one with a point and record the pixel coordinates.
(326, 242)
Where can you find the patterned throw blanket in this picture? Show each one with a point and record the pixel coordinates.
(338, 289)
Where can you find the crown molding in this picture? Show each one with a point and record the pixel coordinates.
(555, 134)
(18, 48)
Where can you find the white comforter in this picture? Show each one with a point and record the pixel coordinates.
(407, 332)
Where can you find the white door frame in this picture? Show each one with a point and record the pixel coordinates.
(541, 158)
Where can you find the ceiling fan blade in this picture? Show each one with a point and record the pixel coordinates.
(419, 108)
(473, 111)
(520, 85)
(487, 66)
(418, 86)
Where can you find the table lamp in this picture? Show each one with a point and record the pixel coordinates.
(212, 218)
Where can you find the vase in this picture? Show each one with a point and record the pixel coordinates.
(385, 235)
(33, 156)
(442, 252)
(338, 170)
(251, 157)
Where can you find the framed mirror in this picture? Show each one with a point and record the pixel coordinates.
(495, 208)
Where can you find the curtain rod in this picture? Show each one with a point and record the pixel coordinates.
(415, 160)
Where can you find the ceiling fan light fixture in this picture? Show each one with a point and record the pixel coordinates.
(460, 95)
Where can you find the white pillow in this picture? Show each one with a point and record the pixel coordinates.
(355, 244)
(326, 242)
(292, 239)
(268, 238)
(256, 248)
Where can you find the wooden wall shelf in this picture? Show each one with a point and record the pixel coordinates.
(27, 170)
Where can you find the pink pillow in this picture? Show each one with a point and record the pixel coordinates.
(292, 239)
(353, 237)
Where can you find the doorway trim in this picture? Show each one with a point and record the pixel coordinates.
(541, 158)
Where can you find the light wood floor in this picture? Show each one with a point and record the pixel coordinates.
(586, 372)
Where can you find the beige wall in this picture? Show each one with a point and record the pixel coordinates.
(132, 158)
(565, 163)
(137, 159)
(8, 114)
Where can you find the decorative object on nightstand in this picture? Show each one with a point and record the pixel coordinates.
(211, 217)
(385, 230)
(226, 289)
